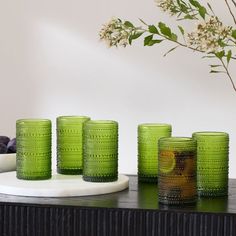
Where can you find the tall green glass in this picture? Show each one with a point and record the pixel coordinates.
(33, 144)
(212, 163)
(148, 136)
(177, 171)
(70, 144)
(100, 163)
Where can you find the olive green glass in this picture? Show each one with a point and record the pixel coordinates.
(212, 163)
(70, 144)
(33, 144)
(148, 136)
(177, 170)
(100, 163)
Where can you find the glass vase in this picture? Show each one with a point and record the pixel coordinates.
(148, 136)
(212, 163)
(100, 163)
(70, 144)
(33, 145)
(177, 171)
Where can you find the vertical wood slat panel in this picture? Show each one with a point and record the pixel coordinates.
(20, 220)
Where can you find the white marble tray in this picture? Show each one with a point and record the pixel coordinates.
(58, 186)
(7, 162)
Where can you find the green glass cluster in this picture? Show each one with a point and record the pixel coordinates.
(33, 144)
(177, 170)
(100, 163)
(70, 144)
(212, 163)
(148, 136)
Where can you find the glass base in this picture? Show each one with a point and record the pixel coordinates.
(69, 171)
(167, 201)
(100, 179)
(25, 177)
(147, 179)
(213, 193)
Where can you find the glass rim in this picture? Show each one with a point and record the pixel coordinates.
(211, 134)
(177, 139)
(32, 121)
(164, 125)
(102, 122)
(72, 117)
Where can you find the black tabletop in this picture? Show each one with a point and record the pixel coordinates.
(137, 196)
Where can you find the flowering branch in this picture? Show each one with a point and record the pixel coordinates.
(211, 37)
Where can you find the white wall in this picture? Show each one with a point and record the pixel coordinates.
(52, 63)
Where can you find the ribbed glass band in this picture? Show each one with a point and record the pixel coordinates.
(212, 163)
(33, 141)
(177, 170)
(70, 144)
(100, 163)
(148, 136)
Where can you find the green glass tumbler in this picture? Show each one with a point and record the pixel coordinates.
(148, 136)
(33, 144)
(100, 163)
(70, 144)
(177, 171)
(212, 163)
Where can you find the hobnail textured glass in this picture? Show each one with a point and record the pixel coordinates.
(177, 170)
(148, 136)
(100, 163)
(70, 144)
(212, 163)
(33, 144)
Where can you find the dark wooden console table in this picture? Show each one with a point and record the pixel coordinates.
(134, 211)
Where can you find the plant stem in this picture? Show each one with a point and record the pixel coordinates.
(228, 74)
(226, 1)
(234, 2)
(223, 64)
(186, 46)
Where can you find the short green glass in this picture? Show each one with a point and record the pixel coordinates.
(212, 163)
(33, 144)
(148, 136)
(70, 144)
(100, 162)
(177, 171)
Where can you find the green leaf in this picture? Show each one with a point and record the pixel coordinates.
(128, 24)
(195, 3)
(217, 71)
(211, 56)
(214, 71)
(174, 37)
(234, 34)
(147, 39)
(183, 8)
(188, 17)
(153, 29)
(222, 43)
(154, 41)
(181, 29)
(181, 2)
(164, 29)
(202, 12)
(220, 54)
(229, 55)
(134, 36)
(209, 6)
(214, 66)
(171, 50)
